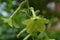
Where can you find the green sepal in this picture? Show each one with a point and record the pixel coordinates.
(10, 22)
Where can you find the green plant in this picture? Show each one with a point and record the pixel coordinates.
(34, 24)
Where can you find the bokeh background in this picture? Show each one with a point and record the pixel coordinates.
(48, 9)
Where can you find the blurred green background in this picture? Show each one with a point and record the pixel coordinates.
(7, 7)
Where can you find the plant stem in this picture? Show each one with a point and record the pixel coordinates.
(21, 32)
(18, 9)
(27, 37)
(34, 15)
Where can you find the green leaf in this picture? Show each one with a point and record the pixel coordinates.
(40, 26)
(34, 24)
(29, 25)
(26, 21)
